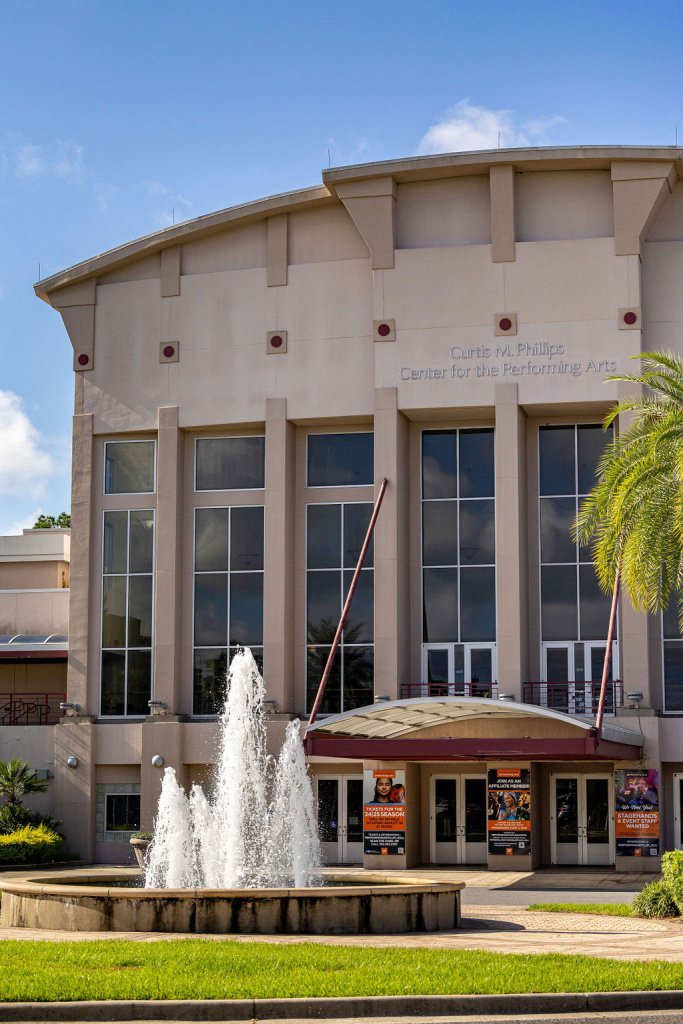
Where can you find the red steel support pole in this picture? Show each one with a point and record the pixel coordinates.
(347, 604)
(608, 653)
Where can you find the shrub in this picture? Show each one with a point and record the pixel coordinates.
(672, 873)
(13, 817)
(29, 845)
(142, 835)
(655, 900)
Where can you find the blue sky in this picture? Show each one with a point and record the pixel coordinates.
(117, 117)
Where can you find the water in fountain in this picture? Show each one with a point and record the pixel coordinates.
(259, 829)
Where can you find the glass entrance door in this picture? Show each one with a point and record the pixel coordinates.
(340, 818)
(572, 673)
(582, 819)
(459, 670)
(458, 819)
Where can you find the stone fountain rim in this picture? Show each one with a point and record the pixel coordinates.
(75, 884)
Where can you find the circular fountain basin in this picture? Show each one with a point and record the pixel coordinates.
(362, 902)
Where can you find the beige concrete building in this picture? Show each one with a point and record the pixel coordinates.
(245, 381)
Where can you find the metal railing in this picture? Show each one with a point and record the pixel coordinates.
(30, 708)
(409, 690)
(575, 698)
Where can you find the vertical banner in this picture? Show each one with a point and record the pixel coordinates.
(384, 811)
(637, 812)
(509, 811)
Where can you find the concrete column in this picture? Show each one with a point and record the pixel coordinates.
(80, 625)
(278, 598)
(74, 788)
(511, 541)
(168, 580)
(391, 547)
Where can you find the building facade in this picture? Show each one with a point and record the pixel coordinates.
(245, 381)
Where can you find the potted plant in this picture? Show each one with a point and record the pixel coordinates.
(140, 841)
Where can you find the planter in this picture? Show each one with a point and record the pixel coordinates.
(140, 849)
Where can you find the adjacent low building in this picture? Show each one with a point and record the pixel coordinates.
(34, 645)
(245, 381)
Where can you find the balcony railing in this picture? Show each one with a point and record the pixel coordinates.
(448, 690)
(30, 708)
(574, 698)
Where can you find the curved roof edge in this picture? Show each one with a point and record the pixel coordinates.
(177, 233)
(540, 157)
(401, 170)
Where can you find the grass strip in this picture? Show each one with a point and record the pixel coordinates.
(201, 969)
(604, 909)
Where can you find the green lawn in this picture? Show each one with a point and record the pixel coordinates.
(200, 969)
(606, 909)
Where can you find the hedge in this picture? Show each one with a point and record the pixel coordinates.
(29, 845)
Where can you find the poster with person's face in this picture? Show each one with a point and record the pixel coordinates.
(509, 811)
(637, 812)
(384, 811)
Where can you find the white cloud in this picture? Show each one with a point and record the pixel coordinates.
(170, 207)
(25, 522)
(24, 463)
(67, 162)
(467, 127)
(30, 162)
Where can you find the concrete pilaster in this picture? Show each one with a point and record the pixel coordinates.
(511, 541)
(391, 547)
(168, 576)
(278, 598)
(78, 673)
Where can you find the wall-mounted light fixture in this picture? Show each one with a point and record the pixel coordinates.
(156, 705)
(634, 699)
(270, 705)
(70, 706)
(158, 761)
(72, 761)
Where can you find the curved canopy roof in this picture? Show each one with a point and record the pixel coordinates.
(398, 720)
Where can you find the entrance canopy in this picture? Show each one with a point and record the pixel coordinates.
(466, 729)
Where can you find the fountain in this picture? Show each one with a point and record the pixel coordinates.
(245, 858)
(242, 838)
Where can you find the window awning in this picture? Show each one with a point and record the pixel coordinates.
(34, 647)
(388, 730)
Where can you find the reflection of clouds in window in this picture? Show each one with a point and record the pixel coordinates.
(557, 516)
(477, 533)
(340, 460)
(439, 481)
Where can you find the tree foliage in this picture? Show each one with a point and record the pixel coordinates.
(62, 522)
(633, 517)
(18, 779)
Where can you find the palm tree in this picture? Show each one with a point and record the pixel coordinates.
(18, 779)
(634, 514)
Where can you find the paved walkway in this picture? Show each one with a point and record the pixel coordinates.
(489, 926)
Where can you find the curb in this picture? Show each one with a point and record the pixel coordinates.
(351, 1006)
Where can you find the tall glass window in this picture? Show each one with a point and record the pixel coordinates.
(129, 467)
(230, 463)
(334, 538)
(127, 612)
(228, 596)
(573, 608)
(458, 536)
(340, 460)
(673, 657)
